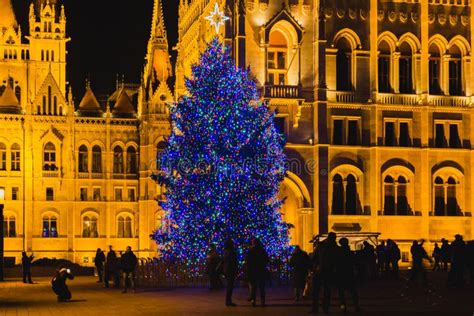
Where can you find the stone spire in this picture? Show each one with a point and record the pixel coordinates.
(7, 15)
(158, 30)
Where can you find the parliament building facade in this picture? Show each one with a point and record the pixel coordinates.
(373, 96)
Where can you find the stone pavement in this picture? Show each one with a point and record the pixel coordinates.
(89, 298)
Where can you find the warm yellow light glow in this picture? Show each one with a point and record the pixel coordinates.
(2, 194)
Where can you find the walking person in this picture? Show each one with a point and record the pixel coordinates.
(382, 261)
(59, 286)
(300, 264)
(230, 267)
(436, 257)
(26, 267)
(99, 261)
(213, 261)
(257, 260)
(445, 254)
(110, 269)
(458, 261)
(418, 254)
(345, 275)
(394, 256)
(129, 263)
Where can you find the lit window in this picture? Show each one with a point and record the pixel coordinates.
(9, 226)
(15, 193)
(277, 59)
(50, 226)
(89, 227)
(124, 226)
(131, 160)
(15, 157)
(96, 159)
(3, 157)
(118, 160)
(83, 163)
(49, 157)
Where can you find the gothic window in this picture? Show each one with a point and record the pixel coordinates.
(337, 195)
(52, 55)
(55, 105)
(49, 157)
(44, 105)
(89, 227)
(389, 196)
(345, 198)
(384, 67)
(118, 160)
(402, 200)
(3, 157)
(131, 160)
(455, 71)
(96, 159)
(42, 55)
(435, 70)
(50, 226)
(83, 155)
(15, 157)
(277, 55)
(446, 200)
(50, 95)
(47, 55)
(343, 66)
(18, 93)
(351, 195)
(124, 226)
(396, 196)
(405, 69)
(9, 226)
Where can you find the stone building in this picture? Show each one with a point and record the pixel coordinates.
(375, 98)
(76, 176)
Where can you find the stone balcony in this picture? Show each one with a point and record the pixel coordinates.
(450, 101)
(281, 92)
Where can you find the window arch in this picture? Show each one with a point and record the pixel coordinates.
(344, 65)
(455, 71)
(384, 67)
(345, 195)
(49, 157)
(132, 161)
(9, 225)
(118, 160)
(398, 191)
(337, 195)
(277, 59)
(124, 226)
(405, 68)
(3, 157)
(15, 157)
(18, 93)
(50, 226)
(83, 161)
(96, 159)
(89, 226)
(435, 70)
(447, 194)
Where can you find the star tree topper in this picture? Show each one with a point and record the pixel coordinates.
(217, 18)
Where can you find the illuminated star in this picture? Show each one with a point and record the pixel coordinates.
(217, 18)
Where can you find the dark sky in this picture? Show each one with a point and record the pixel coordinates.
(108, 37)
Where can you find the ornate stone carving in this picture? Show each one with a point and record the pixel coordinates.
(340, 13)
(403, 17)
(453, 19)
(328, 13)
(363, 14)
(352, 14)
(381, 15)
(442, 18)
(464, 20)
(392, 16)
(431, 18)
(415, 17)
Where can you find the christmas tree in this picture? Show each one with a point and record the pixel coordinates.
(223, 165)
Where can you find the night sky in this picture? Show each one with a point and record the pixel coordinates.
(109, 37)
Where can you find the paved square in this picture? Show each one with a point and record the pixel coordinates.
(89, 298)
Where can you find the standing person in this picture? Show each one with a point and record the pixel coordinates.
(213, 261)
(300, 263)
(382, 263)
(257, 260)
(470, 259)
(345, 275)
(129, 263)
(370, 260)
(458, 261)
(394, 255)
(230, 267)
(326, 257)
(436, 257)
(26, 265)
(418, 253)
(99, 263)
(110, 270)
(445, 254)
(59, 286)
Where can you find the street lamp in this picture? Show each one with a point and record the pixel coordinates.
(2, 233)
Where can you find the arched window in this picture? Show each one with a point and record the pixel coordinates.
(124, 225)
(50, 226)
(435, 70)
(55, 105)
(131, 160)
(18, 93)
(277, 59)
(389, 196)
(96, 159)
(402, 200)
(351, 195)
(337, 195)
(44, 105)
(9, 226)
(3, 157)
(50, 96)
(42, 55)
(343, 65)
(15, 157)
(118, 160)
(446, 201)
(455, 71)
(406, 69)
(52, 55)
(89, 227)
(83, 161)
(49, 157)
(384, 67)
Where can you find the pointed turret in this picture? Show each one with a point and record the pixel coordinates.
(89, 105)
(7, 15)
(9, 102)
(158, 54)
(123, 107)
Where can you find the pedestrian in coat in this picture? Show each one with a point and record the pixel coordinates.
(418, 253)
(111, 269)
(300, 264)
(26, 265)
(345, 275)
(213, 262)
(458, 261)
(436, 257)
(257, 261)
(99, 261)
(230, 268)
(129, 263)
(59, 286)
